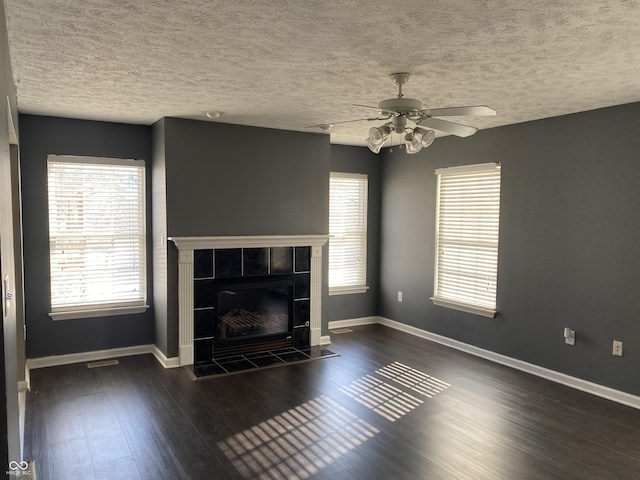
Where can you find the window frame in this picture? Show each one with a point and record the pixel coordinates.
(114, 306)
(363, 207)
(488, 241)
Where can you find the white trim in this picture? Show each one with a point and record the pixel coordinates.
(315, 306)
(22, 415)
(478, 167)
(173, 362)
(579, 384)
(56, 360)
(347, 290)
(325, 340)
(96, 160)
(186, 246)
(353, 322)
(99, 312)
(196, 243)
(68, 359)
(185, 307)
(13, 137)
(25, 385)
(464, 307)
(359, 176)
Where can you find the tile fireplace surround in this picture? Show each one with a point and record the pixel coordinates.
(186, 247)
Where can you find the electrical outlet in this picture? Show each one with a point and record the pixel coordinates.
(569, 336)
(617, 348)
(399, 296)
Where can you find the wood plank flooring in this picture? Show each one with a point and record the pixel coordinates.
(391, 406)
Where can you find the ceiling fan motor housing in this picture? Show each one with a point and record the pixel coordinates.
(401, 105)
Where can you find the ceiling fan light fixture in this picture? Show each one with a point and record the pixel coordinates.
(412, 143)
(417, 139)
(424, 136)
(377, 137)
(375, 148)
(213, 114)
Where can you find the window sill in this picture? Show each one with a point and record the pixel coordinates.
(348, 290)
(464, 307)
(98, 312)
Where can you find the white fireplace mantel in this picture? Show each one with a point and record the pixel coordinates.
(186, 246)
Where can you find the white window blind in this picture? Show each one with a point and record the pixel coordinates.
(97, 236)
(348, 233)
(467, 227)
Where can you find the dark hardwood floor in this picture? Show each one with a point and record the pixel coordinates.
(391, 406)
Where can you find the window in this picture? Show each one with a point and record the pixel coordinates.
(97, 236)
(347, 233)
(467, 224)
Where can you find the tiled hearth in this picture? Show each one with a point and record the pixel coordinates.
(259, 360)
(206, 260)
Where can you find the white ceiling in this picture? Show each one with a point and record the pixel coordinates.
(288, 64)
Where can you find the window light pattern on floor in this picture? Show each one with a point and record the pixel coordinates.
(415, 380)
(298, 443)
(384, 399)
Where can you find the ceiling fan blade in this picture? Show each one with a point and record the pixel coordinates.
(469, 111)
(365, 106)
(326, 126)
(448, 127)
(381, 110)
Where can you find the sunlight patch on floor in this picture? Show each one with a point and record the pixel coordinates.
(384, 399)
(415, 380)
(298, 443)
(394, 401)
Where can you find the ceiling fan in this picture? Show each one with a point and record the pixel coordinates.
(401, 110)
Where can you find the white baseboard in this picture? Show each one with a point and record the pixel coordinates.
(22, 415)
(25, 385)
(56, 360)
(172, 362)
(579, 384)
(325, 340)
(353, 322)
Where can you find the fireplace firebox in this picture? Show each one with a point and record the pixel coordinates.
(252, 315)
(254, 299)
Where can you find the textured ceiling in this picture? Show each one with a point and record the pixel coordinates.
(288, 64)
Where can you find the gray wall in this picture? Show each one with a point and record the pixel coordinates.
(41, 136)
(234, 180)
(569, 242)
(13, 356)
(223, 179)
(360, 160)
(164, 307)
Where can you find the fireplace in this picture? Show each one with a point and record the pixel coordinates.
(219, 276)
(252, 315)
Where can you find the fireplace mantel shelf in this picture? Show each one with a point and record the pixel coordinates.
(194, 243)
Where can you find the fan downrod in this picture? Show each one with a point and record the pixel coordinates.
(400, 105)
